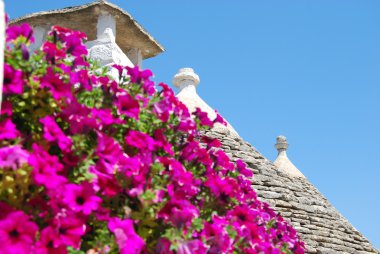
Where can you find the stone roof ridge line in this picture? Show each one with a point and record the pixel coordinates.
(282, 161)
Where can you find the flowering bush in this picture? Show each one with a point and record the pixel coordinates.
(97, 165)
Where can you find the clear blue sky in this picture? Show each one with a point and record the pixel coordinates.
(309, 70)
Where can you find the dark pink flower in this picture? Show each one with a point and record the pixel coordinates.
(83, 78)
(13, 157)
(203, 117)
(179, 212)
(47, 243)
(17, 233)
(45, 168)
(70, 230)
(81, 198)
(163, 109)
(192, 247)
(242, 168)
(140, 140)
(23, 30)
(13, 80)
(8, 129)
(54, 82)
(52, 52)
(163, 246)
(137, 75)
(126, 238)
(128, 106)
(53, 133)
(224, 188)
(6, 108)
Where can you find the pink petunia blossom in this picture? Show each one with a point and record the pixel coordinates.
(55, 84)
(23, 30)
(8, 129)
(126, 238)
(69, 228)
(81, 198)
(179, 212)
(140, 140)
(13, 157)
(128, 106)
(13, 80)
(192, 247)
(53, 133)
(47, 243)
(17, 233)
(45, 168)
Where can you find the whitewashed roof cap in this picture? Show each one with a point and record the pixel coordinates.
(282, 161)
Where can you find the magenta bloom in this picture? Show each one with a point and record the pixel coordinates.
(45, 168)
(17, 233)
(137, 75)
(13, 80)
(52, 52)
(69, 230)
(53, 133)
(47, 243)
(203, 117)
(128, 106)
(192, 247)
(58, 88)
(8, 129)
(13, 157)
(24, 30)
(81, 198)
(163, 110)
(179, 212)
(126, 238)
(140, 140)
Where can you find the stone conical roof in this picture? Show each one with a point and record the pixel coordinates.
(287, 190)
(129, 34)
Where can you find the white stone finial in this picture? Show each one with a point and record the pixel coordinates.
(282, 161)
(186, 77)
(282, 144)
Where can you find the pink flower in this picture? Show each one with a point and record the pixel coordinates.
(81, 198)
(6, 108)
(128, 106)
(13, 157)
(140, 140)
(163, 110)
(69, 230)
(138, 76)
(163, 246)
(192, 247)
(126, 238)
(179, 212)
(203, 117)
(8, 129)
(47, 243)
(53, 133)
(45, 168)
(83, 78)
(52, 52)
(17, 233)
(54, 82)
(13, 80)
(24, 30)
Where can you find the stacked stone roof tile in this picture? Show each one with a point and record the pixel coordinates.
(321, 226)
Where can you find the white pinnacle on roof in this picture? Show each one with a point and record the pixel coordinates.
(282, 161)
(186, 80)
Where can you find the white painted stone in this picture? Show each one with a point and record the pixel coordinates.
(105, 21)
(135, 56)
(106, 51)
(282, 161)
(2, 41)
(39, 34)
(186, 80)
